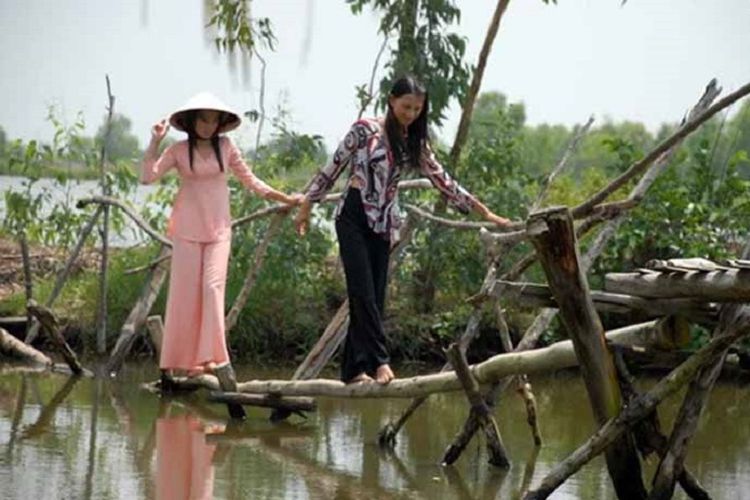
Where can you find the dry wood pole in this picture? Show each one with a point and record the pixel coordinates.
(551, 232)
(495, 447)
(156, 333)
(137, 317)
(14, 348)
(666, 145)
(51, 325)
(253, 270)
(523, 386)
(63, 276)
(27, 279)
(643, 405)
(533, 294)
(101, 337)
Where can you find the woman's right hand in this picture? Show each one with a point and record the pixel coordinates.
(159, 130)
(302, 219)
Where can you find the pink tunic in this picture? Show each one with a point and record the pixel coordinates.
(201, 207)
(200, 228)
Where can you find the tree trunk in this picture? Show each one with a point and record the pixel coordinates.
(552, 234)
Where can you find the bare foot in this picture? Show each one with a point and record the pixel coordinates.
(194, 372)
(361, 378)
(384, 374)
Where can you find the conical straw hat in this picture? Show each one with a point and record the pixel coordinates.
(205, 100)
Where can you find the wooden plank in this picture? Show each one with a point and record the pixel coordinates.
(719, 286)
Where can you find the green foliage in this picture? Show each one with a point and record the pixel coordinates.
(289, 151)
(69, 157)
(122, 144)
(424, 48)
(237, 30)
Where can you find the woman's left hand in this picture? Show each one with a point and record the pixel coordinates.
(497, 220)
(295, 199)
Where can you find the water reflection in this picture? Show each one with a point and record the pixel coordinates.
(70, 438)
(184, 460)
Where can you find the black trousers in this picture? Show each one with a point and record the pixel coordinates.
(365, 257)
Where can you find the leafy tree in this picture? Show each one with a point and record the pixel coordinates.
(122, 144)
(3, 141)
(425, 48)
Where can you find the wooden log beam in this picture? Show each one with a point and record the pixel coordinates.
(293, 404)
(253, 270)
(228, 383)
(495, 447)
(156, 333)
(523, 386)
(536, 295)
(51, 325)
(558, 356)
(103, 201)
(136, 319)
(719, 286)
(14, 348)
(33, 330)
(552, 234)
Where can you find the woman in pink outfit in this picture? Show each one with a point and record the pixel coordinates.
(200, 229)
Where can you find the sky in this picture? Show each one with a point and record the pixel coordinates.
(646, 61)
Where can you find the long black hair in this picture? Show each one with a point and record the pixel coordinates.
(416, 136)
(189, 125)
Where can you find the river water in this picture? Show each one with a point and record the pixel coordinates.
(129, 236)
(111, 439)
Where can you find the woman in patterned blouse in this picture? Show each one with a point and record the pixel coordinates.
(367, 220)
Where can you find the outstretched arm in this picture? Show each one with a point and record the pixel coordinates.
(459, 197)
(252, 182)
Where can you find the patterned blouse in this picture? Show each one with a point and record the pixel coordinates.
(365, 147)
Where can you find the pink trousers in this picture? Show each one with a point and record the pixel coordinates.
(194, 324)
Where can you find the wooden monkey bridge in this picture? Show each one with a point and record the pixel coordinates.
(669, 295)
